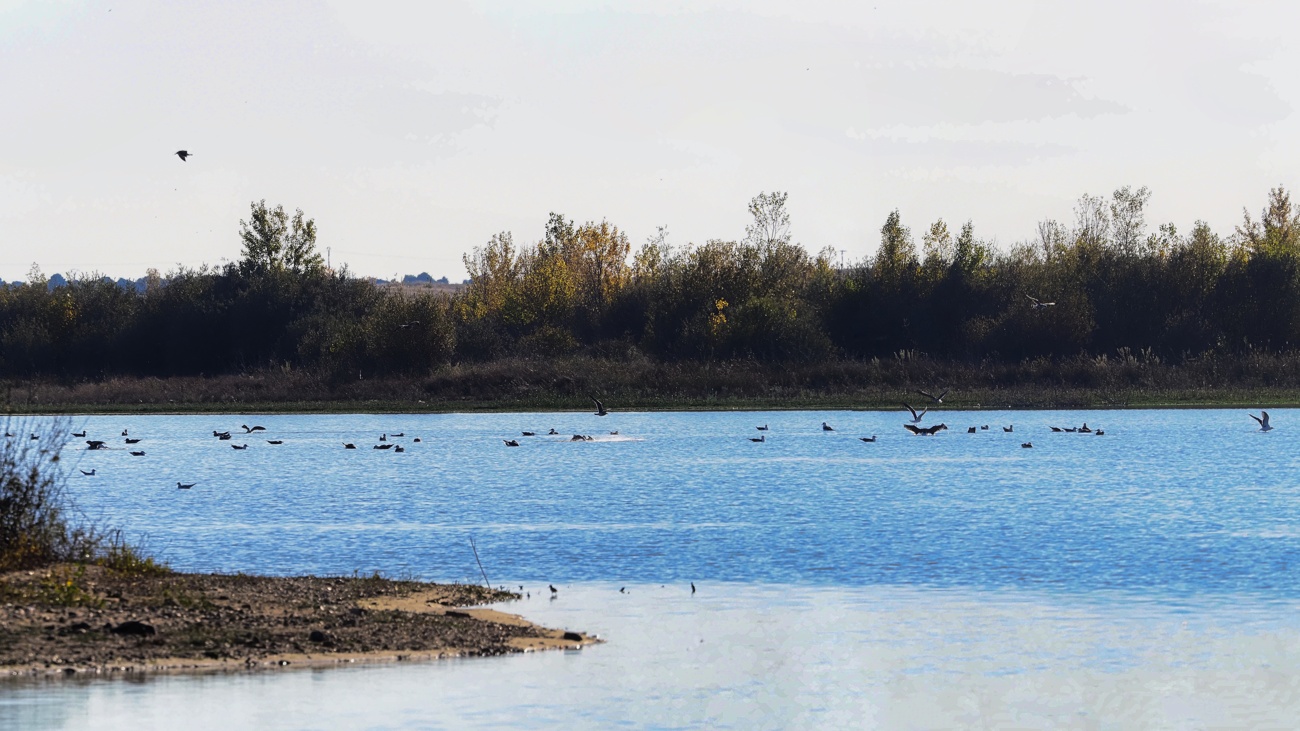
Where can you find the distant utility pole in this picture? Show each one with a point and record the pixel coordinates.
(327, 258)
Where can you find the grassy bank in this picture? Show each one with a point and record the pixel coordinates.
(1126, 380)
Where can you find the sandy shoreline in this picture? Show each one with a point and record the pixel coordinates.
(77, 621)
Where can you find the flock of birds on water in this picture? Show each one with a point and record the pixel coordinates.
(914, 419)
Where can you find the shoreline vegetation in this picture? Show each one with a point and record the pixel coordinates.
(1125, 380)
(75, 598)
(1103, 311)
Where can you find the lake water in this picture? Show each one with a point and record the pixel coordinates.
(1142, 579)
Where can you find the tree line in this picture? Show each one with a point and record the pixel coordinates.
(1118, 288)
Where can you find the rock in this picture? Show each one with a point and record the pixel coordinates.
(318, 636)
(133, 628)
(572, 637)
(455, 613)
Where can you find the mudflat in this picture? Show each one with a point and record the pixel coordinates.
(73, 619)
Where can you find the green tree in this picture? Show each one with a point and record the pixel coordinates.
(896, 256)
(273, 243)
(771, 224)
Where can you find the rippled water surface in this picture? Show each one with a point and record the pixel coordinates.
(1142, 578)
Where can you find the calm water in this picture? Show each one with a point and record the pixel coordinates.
(1145, 578)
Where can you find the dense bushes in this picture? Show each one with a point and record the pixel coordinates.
(582, 290)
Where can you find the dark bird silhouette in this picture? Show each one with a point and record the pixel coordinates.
(239, 446)
(79, 435)
(551, 433)
(511, 442)
(1008, 429)
(124, 432)
(35, 436)
(554, 591)
(937, 399)
(132, 441)
(762, 428)
(383, 437)
(88, 474)
(182, 154)
(137, 454)
(925, 431)
(971, 430)
(349, 445)
(600, 408)
(1084, 429)
(1100, 433)
(758, 439)
(96, 444)
(1054, 428)
(250, 429)
(984, 428)
(416, 440)
(530, 434)
(223, 434)
(383, 446)
(224, 437)
(1027, 445)
(692, 587)
(399, 434)
(399, 449)
(183, 486)
(622, 589)
(275, 441)
(827, 427)
(869, 439)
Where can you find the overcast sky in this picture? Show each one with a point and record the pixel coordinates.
(413, 131)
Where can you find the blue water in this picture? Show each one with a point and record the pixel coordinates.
(1142, 578)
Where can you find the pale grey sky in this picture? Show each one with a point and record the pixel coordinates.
(413, 131)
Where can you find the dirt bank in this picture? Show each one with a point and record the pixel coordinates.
(74, 619)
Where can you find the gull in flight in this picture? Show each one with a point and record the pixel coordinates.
(916, 418)
(1038, 304)
(600, 408)
(182, 154)
(937, 399)
(1263, 421)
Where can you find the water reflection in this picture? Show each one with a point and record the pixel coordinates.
(773, 656)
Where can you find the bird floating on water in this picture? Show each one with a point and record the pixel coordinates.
(1027, 445)
(925, 431)
(1263, 421)
(239, 446)
(827, 427)
(123, 432)
(383, 446)
(761, 428)
(96, 444)
(349, 445)
(758, 439)
(132, 441)
(137, 454)
(511, 442)
(1008, 429)
(551, 433)
(530, 434)
(88, 474)
(183, 486)
(971, 430)
(869, 439)
(79, 435)
(399, 449)
(275, 441)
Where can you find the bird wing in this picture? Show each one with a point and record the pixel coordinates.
(923, 411)
(909, 408)
(926, 394)
(945, 393)
(1032, 299)
(1265, 421)
(912, 428)
(1256, 418)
